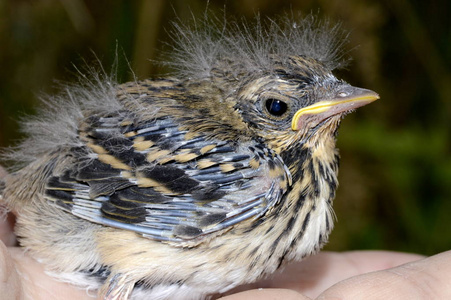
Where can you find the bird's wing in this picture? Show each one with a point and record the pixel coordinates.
(166, 183)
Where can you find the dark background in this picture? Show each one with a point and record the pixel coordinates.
(395, 175)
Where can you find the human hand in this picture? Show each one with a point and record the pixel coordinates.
(22, 277)
(328, 275)
(358, 275)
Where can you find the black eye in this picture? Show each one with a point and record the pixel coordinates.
(276, 107)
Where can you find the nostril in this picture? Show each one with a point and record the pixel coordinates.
(342, 94)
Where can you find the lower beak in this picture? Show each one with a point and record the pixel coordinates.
(347, 99)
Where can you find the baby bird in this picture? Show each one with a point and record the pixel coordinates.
(181, 187)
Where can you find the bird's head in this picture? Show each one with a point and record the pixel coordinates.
(299, 102)
(277, 78)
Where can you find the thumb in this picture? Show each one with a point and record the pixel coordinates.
(10, 283)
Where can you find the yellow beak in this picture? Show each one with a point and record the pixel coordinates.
(346, 100)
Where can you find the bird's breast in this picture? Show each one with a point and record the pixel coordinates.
(301, 222)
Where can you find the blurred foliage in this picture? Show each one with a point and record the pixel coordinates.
(395, 175)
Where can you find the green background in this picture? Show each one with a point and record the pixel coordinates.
(395, 175)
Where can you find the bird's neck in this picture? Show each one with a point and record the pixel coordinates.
(308, 204)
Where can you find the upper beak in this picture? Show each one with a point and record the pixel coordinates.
(346, 99)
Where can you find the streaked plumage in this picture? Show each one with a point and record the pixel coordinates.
(189, 185)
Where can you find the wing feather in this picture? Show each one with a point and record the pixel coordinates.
(158, 180)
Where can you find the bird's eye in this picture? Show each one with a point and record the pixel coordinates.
(276, 107)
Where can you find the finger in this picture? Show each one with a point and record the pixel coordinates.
(334, 267)
(10, 284)
(267, 294)
(321, 271)
(317, 273)
(424, 279)
(37, 285)
(369, 261)
(7, 221)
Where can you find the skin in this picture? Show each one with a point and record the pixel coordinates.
(328, 275)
